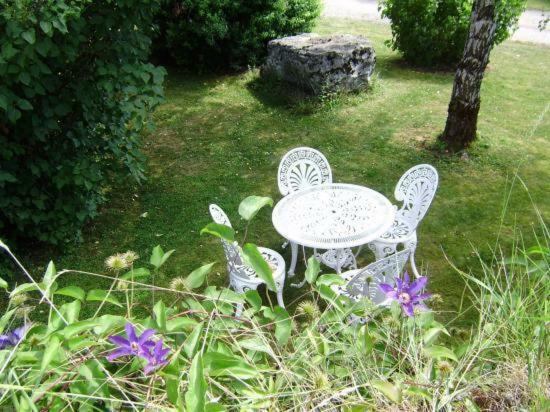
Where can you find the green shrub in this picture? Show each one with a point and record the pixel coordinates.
(75, 95)
(433, 32)
(217, 34)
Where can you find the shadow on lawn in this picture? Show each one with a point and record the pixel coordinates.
(276, 93)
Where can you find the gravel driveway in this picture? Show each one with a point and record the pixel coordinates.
(368, 10)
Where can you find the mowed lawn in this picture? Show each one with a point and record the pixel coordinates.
(219, 138)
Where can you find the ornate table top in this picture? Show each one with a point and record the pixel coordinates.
(333, 216)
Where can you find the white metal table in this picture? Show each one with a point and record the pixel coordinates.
(332, 216)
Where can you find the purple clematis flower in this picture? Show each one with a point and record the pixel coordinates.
(157, 358)
(14, 337)
(134, 345)
(407, 293)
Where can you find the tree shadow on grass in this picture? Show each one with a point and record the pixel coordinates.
(397, 67)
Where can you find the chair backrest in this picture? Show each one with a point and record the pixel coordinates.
(301, 168)
(230, 249)
(416, 189)
(385, 270)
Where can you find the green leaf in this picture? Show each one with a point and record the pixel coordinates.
(255, 344)
(71, 311)
(220, 364)
(23, 103)
(73, 292)
(431, 334)
(254, 298)
(29, 36)
(52, 348)
(313, 269)
(50, 275)
(190, 344)
(180, 324)
(160, 315)
(392, 392)
(23, 288)
(255, 260)
(108, 323)
(46, 27)
(3, 284)
(365, 340)
(282, 321)
(135, 274)
(158, 257)
(250, 206)
(197, 277)
(330, 279)
(195, 398)
(222, 231)
(98, 295)
(438, 352)
(77, 327)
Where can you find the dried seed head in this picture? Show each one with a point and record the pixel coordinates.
(23, 311)
(308, 309)
(130, 257)
(19, 299)
(179, 284)
(116, 262)
(123, 285)
(444, 367)
(320, 380)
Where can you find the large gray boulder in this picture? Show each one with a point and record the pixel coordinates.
(321, 64)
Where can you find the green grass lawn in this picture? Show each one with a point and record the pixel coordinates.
(220, 138)
(538, 4)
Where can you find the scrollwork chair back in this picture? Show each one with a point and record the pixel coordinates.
(301, 168)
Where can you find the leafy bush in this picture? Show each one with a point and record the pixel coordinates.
(75, 95)
(214, 34)
(189, 351)
(433, 32)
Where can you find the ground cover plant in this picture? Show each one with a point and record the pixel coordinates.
(189, 352)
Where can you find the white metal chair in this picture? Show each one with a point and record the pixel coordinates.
(299, 169)
(241, 276)
(363, 283)
(416, 189)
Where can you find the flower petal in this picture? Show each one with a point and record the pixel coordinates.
(117, 353)
(408, 309)
(119, 341)
(399, 284)
(418, 285)
(146, 335)
(131, 332)
(406, 279)
(422, 296)
(384, 287)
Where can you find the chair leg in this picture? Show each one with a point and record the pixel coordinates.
(240, 289)
(280, 300)
(411, 244)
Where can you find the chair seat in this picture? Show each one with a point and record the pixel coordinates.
(342, 290)
(400, 231)
(275, 262)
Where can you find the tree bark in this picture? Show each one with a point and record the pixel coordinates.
(461, 126)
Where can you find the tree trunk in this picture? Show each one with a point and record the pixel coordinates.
(461, 126)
